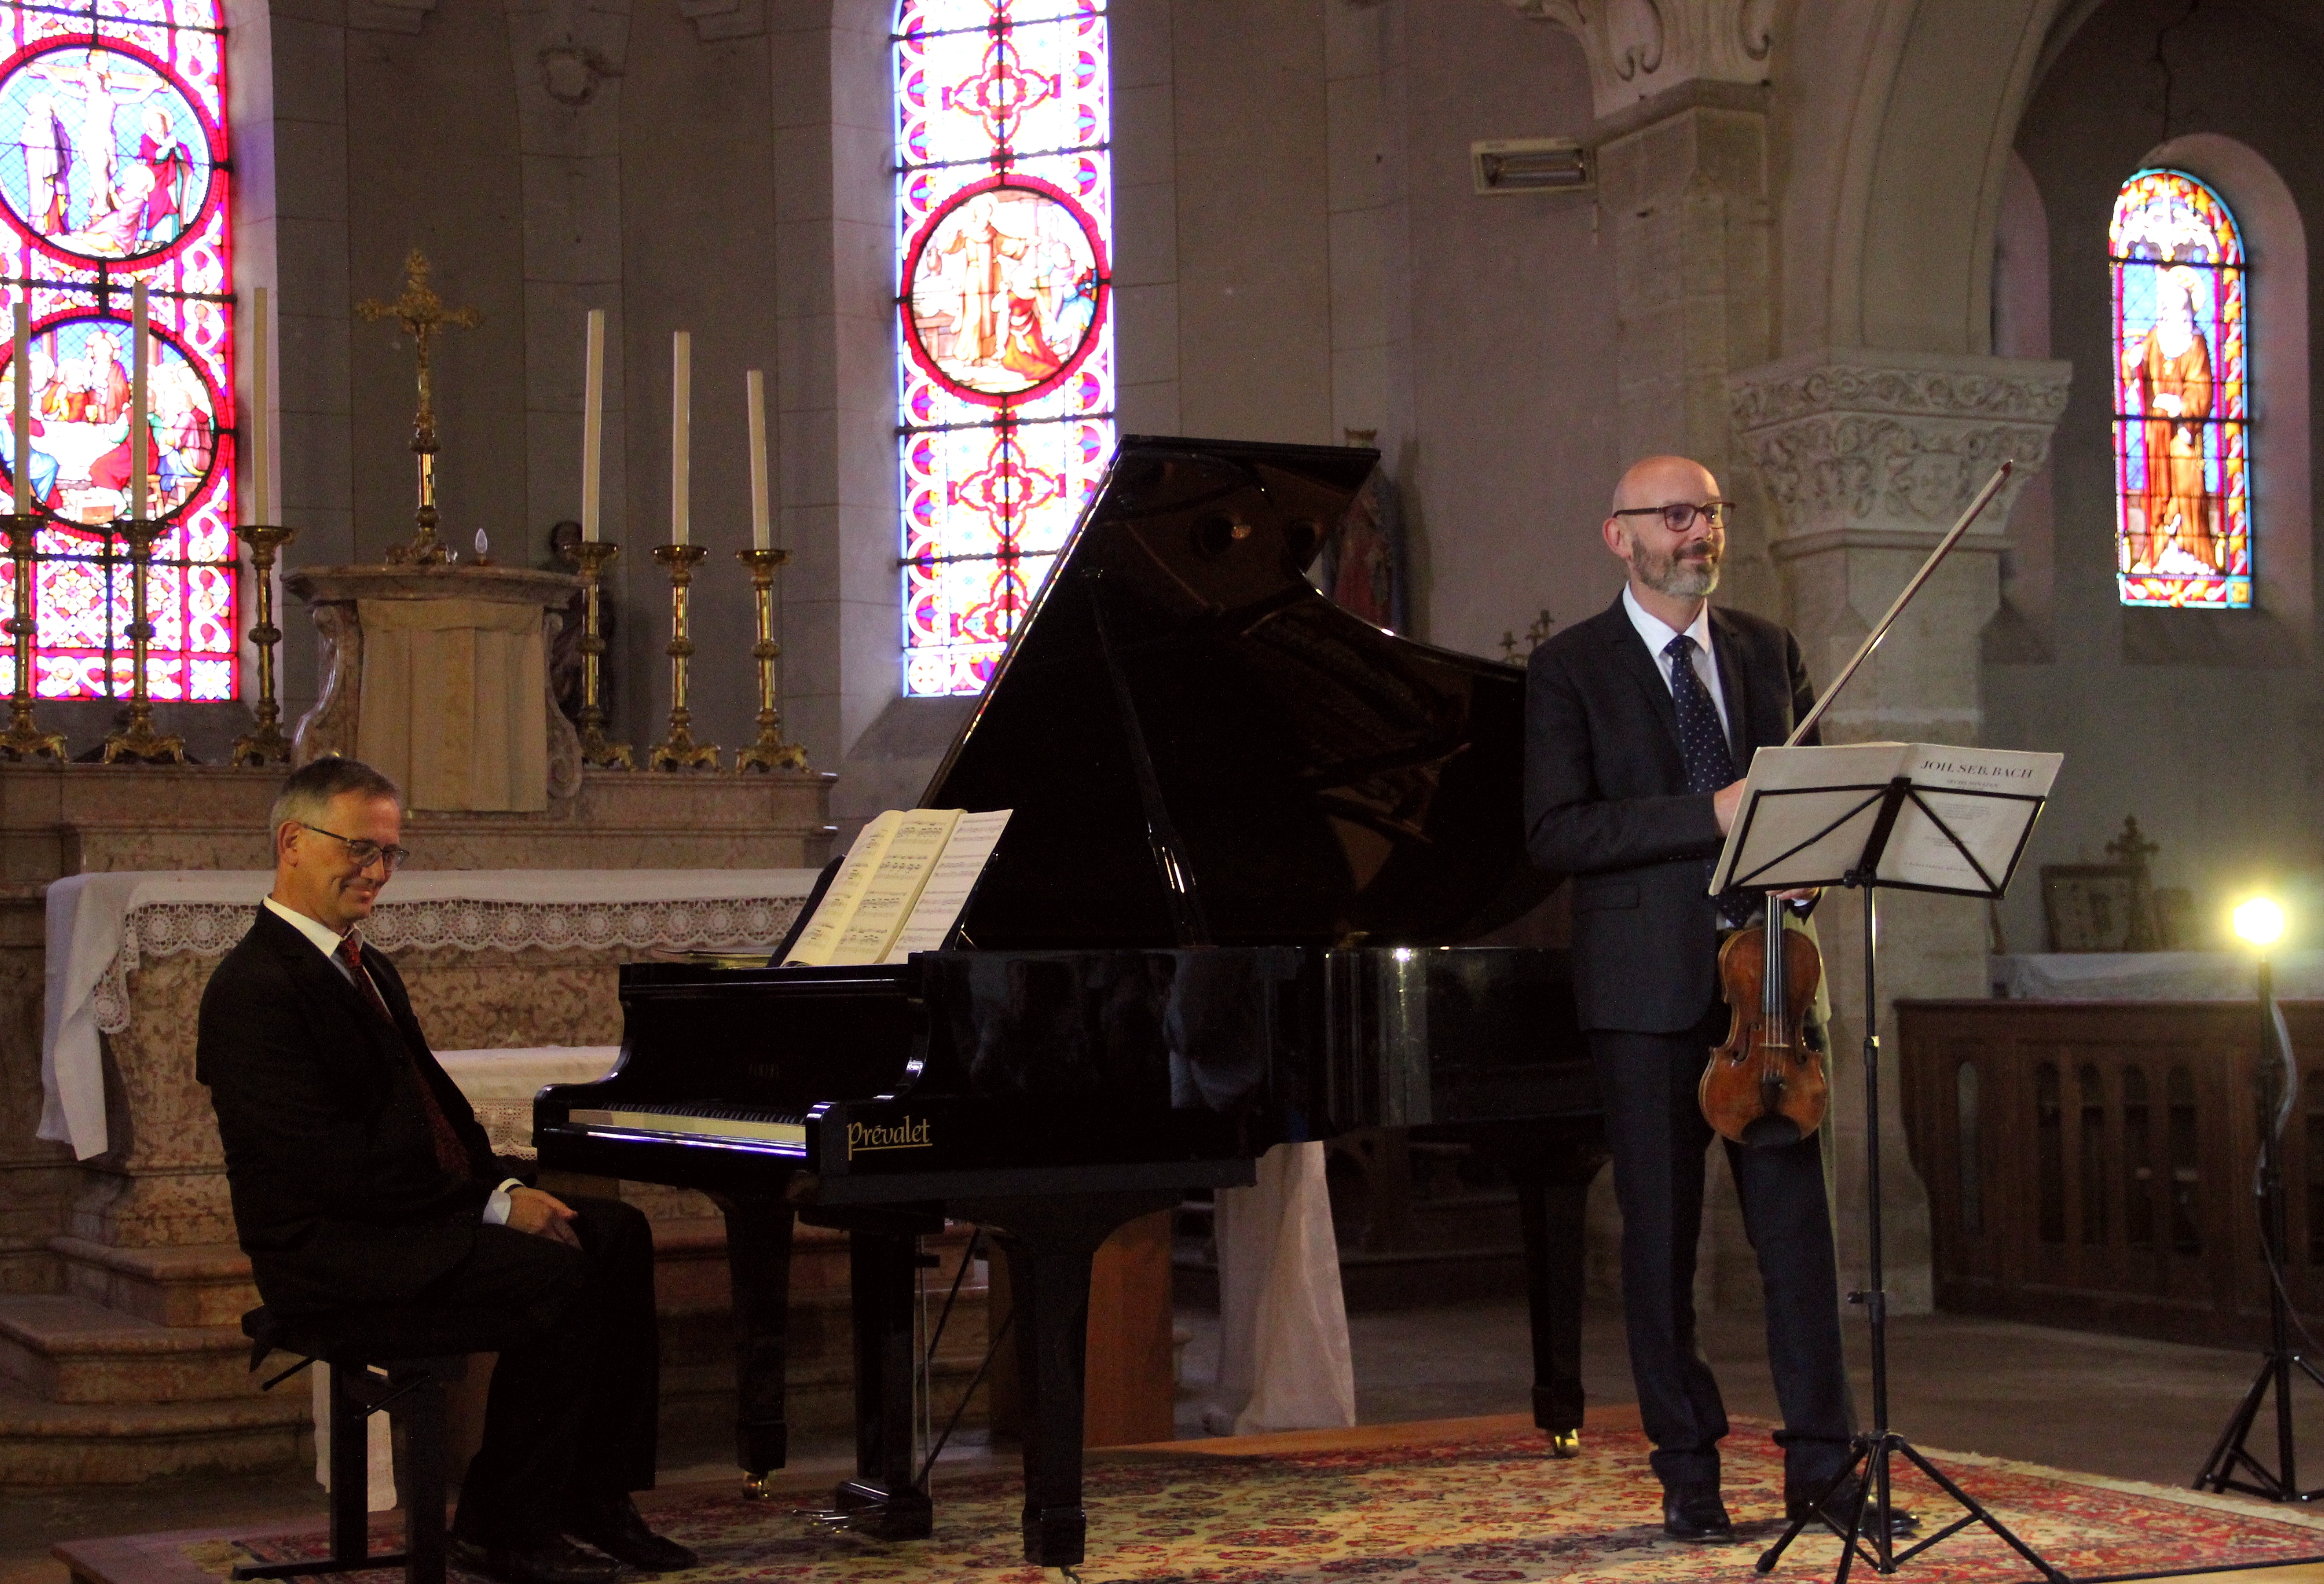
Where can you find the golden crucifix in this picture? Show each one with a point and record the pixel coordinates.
(422, 314)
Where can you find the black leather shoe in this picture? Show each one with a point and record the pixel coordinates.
(1694, 1512)
(614, 1527)
(1841, 1501)
(554, 1560)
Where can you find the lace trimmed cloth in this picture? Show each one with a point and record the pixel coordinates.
(100, 926)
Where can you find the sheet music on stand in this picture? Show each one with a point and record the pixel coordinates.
(1926, 816)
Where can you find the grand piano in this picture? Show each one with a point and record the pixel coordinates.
(1251, 834)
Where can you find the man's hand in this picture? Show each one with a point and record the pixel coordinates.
(1724, 803)
(1801, 894)
(544, 1215)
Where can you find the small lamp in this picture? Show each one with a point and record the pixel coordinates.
(2259, 921)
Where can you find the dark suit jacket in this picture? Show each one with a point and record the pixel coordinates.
(1606, 802)
(337, 1194)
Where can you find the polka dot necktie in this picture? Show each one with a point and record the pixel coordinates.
(1701, 740)
(1701, 743)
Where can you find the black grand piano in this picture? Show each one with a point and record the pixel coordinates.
(1250, 834)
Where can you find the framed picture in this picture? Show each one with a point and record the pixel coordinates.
(2098, 908)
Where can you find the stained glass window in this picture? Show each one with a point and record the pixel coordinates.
(113, 169)
(1004, 204)
(2182, 427)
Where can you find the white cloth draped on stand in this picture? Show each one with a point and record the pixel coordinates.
(1284, 1361)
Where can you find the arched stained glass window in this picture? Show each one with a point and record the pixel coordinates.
(113, 169)
(1004, 207)
(2181, 439)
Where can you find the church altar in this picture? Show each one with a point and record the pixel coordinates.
(103, 928)
(2148, 976)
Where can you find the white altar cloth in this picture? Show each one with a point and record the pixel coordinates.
(100, 924)
(2151, 976)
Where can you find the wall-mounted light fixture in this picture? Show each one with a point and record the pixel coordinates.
(1531, 164)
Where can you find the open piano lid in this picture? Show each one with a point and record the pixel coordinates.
(1317, 780)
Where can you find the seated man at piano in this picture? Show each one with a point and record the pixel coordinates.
(361, 1180)
(1640, 723)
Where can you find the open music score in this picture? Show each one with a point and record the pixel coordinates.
(1809, 815)
(901, 889)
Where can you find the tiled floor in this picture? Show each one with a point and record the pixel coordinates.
(2131, 1409)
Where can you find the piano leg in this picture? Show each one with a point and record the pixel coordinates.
(759, 1266)
(1553, 1217)
(1048, 1244)
(1552, 1161)
(884, 1276)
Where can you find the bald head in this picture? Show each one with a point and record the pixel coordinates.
(1672, 569)
(1658, 481)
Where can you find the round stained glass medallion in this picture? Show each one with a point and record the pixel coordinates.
(80, 421)
(103, 155)
(1004, 290)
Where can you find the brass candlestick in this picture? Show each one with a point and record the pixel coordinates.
(138, 742)
(24, 739)
(596, 751)
(266, 745)
(678, 750)
(769, 752)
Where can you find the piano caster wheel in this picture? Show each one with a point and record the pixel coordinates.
(758, 1488)
(1061, 1576)
(1565, 1443)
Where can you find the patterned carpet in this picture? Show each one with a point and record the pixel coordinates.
(1483, 1507)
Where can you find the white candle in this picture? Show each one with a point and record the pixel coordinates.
(681, 435)
(140, 435)
(761, 527)
(21, 466)
(593, 423)
(262, 461)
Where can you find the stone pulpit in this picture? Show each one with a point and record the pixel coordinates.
(438, 676)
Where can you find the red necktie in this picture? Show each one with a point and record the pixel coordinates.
(449, 1155)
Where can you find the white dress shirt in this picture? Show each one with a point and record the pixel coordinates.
(327, 941)
(1658, 633)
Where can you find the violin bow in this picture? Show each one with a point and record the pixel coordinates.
(1944, 545)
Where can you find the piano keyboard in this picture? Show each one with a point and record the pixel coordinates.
(694, 1119)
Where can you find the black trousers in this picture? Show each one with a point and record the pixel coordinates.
(572, 1416)
(1655, 1125)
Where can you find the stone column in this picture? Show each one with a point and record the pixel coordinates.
(834, 383)
(1867, 458)
(1681, 146)
(568, 59)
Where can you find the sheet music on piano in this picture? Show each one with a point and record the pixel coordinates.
(901, 889)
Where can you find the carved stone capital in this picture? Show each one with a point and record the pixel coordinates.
(1638, 49)
(1891, 441)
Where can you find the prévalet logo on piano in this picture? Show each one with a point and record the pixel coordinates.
(905, 1134)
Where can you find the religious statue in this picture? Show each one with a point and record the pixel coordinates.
(2172, 381)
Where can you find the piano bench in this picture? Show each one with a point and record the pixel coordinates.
(419, 1350)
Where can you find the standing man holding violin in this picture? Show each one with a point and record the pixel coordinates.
(1640, 722)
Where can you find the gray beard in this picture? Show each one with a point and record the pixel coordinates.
(1680, 579)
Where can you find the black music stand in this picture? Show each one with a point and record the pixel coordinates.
(1847, 834)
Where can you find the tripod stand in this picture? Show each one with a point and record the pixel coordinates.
(1867, 1535)
(2232, 1457)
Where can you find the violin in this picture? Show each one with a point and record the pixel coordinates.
(1765, 1086)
